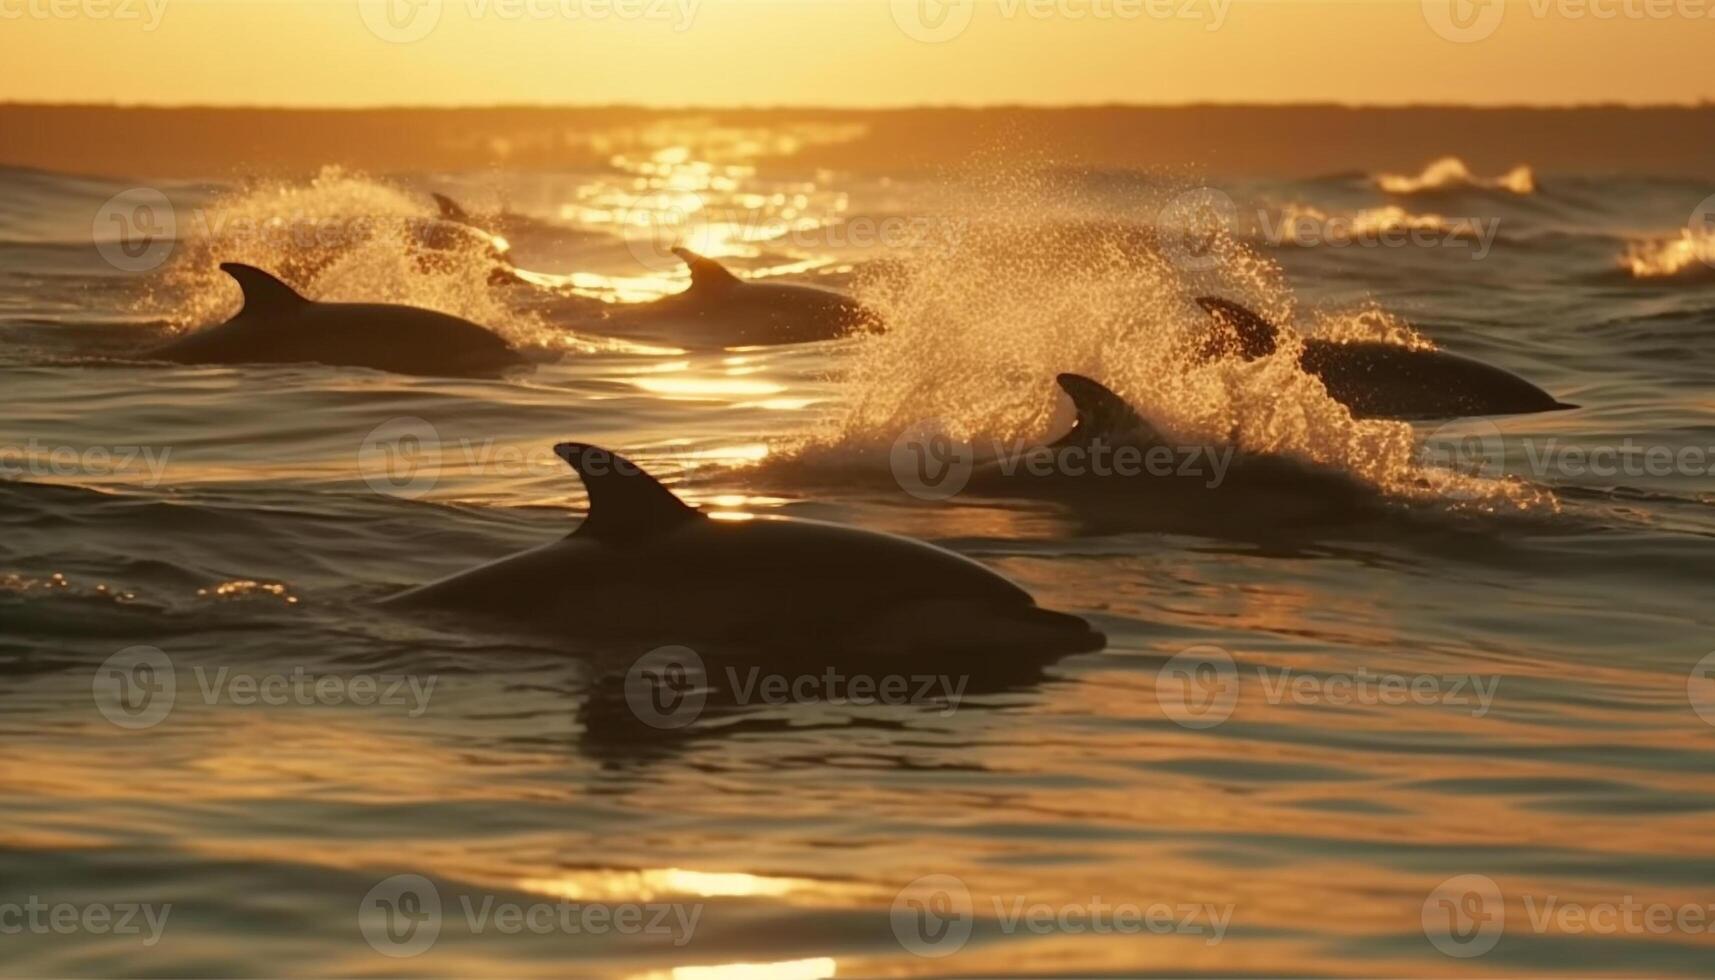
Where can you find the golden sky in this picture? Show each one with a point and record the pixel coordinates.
(854, 52)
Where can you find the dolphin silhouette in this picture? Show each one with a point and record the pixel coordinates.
(278, 326)
(644, 565)
(1384, 381)
(1116, 472)
(722, 310)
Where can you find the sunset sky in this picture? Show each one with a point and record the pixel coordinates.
(853, 52)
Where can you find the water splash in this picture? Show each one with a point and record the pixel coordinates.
(1366, 322)
(339, 237)
(1689, 256)
(1451, 173)
(980, 324)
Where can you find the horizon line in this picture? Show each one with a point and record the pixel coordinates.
(1702, 103)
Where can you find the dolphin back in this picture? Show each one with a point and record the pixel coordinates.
(279, 326)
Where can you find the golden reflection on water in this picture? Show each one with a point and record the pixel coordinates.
(810, 969)
(697, 185)
(648, 884)
(1286, 830)
(707, 387)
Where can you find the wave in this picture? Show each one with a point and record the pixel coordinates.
(1451, 174)
(1690, 257)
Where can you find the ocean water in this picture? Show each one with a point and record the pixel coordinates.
(1464, 729)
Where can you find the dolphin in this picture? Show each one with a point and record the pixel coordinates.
(456, 231)
(644, 565)
(278, 326)
(1384, 381)
(722, 310)
(1111, 449)
(1116, 471)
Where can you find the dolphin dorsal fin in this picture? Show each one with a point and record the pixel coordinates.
(1257, 337)
(1101, 414)
(706, 273)
(625, 502)
(263, 293)
(450, 210)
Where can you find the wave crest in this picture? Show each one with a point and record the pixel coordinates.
(1451, 174)
(1689, 256)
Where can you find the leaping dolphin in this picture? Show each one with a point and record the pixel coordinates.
(1384, 381)
(722, 310)
(278, 326)
(644, 565)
